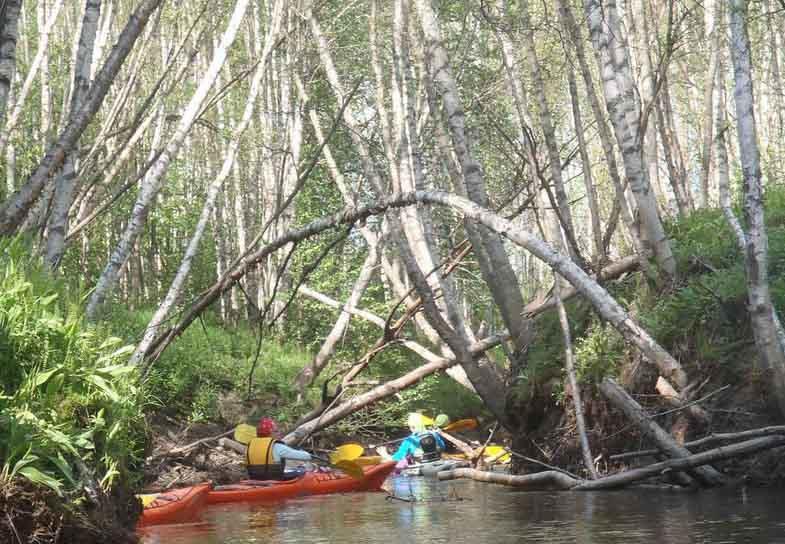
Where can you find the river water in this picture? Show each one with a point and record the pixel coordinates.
(464, 511)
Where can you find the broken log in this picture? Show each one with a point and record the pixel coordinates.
(552, 479)
(230, 444)
(549, 479)
(718, 454)
(617, 396)
(713, 438)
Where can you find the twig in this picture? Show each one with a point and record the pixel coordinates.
(546, 465)
(13, 527)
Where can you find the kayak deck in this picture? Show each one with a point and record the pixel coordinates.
(311, 483)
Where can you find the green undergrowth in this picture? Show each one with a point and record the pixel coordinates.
(702, 320)
(70, 410)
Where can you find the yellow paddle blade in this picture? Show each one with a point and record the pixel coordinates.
(147, 500)
(350, 467)
(461, 425)
(243, 433)
(349, 452)
(493, 451)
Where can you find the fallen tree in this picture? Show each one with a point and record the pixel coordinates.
(552, 479)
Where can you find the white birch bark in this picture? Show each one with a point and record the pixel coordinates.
(9, 34)
(64, 188)
(567, 20)
(16, 206)
(152, 183)
(32, 73)
(607, 37)
(176, 287)
(45, 91)
(646, 89)
(548, 131)
(710, 10)
(762, 312)
(496, 269)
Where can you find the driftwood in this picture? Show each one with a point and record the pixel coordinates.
(188, 447)
(230, 444)
(549, 479)
(552, 479)
(713, 438)
(460, 444)
(665, 442)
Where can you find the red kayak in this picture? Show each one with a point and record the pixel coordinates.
(311, 483)
(175, 506)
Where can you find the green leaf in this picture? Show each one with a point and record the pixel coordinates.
(104, 386)
(41, 478)
(125, 350)
(42, 377)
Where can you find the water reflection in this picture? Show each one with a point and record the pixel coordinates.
(472, 512)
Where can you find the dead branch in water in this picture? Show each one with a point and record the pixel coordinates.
(552, 479)
(707, 440)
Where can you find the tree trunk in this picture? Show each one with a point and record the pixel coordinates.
(762, 312)
(604, 304)
(15, 207)
(548, 131)
(711, 14)
(9, 34)
(176, 288)
(152, 184)
(607, 36)
(567, 20)
(63, 195)
(493, 260)
(665, 442)
(32, 73)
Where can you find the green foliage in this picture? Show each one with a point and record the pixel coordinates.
(598, 353)
(209, 361)
(68, 399)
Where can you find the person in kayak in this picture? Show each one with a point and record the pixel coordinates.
(421, 440)
(266, 456)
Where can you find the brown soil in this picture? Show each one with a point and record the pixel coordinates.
(35, 514)
(167, 467)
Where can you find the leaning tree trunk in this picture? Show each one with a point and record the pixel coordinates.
(607, 307)
(762, 312)
(548, 130)
(176, 288)
(664, 441)
(606, 34)
(9, 33)
(64, 188)
(15, 207)
(493, 259)
(152, 184)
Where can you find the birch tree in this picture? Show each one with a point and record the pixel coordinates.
(32, 73)
(9, 34)
(64, 188)
(765, 321)
(607, 37)
(176, 288)
(16, 206)
(153, 181)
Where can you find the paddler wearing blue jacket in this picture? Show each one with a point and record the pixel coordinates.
(428, 442)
